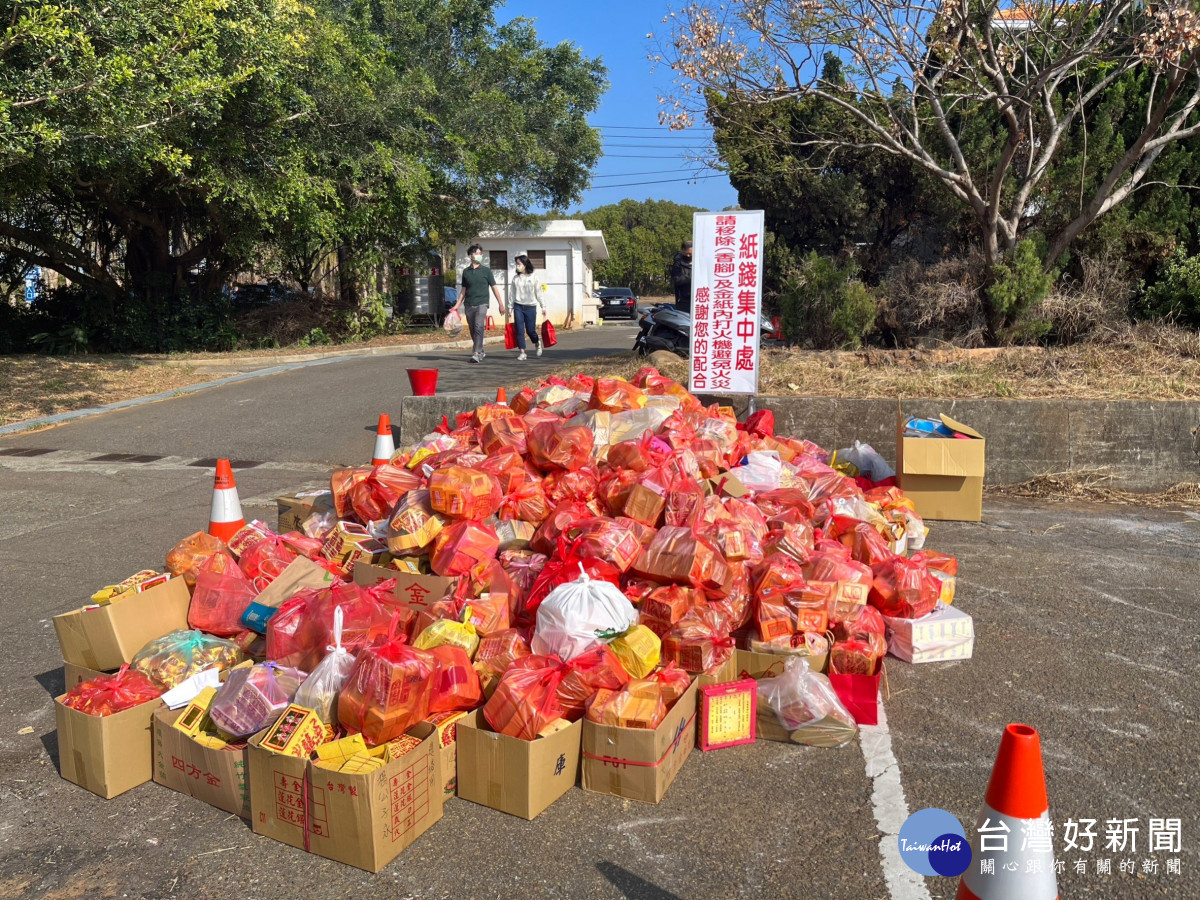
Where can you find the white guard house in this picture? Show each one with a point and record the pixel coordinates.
(562, 251)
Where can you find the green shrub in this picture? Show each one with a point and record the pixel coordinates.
(822, 303)
(1018, 284)
(1176, 294)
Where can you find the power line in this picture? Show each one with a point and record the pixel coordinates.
(637, 156)
(601, 187)
(656, 147)
(640, 174)
(635, 127)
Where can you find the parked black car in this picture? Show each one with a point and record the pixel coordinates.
(617, 303)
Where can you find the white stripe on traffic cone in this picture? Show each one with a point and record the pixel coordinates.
(225, 517)
(385, 446)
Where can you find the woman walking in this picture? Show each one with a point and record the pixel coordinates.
(526, 300)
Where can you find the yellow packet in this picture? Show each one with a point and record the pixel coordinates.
(447, 631)
(639, 650)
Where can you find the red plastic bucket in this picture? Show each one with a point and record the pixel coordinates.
(423, 382)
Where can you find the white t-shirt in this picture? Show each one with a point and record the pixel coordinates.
(526, 290)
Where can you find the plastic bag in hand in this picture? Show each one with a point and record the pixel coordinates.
(254, 697)
(108, 694)
(577, 614)
(799, 698)
(526, 700)
(320, 690)
(387, 691)
(453, 324)
(223, 592)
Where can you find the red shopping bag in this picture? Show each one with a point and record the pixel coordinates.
(859, 694)
(548, 338)
(510, 336)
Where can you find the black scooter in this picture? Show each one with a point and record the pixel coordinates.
(663, 327)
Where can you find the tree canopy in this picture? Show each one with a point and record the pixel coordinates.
(149, 149)
(643, 238)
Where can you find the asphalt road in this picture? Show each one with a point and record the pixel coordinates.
(1086, 628)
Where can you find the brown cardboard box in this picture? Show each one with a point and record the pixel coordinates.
(218, 777)
(108, 755)
(361, 820)
(295, 508)
(73, 674)
(518, 777)
(107, 637)
(638, 764)
(419, 592)
(446, 724)
(752, 664)
(942, 476)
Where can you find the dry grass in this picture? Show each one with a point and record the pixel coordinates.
(1092, 485)
(1143, 363)
(34, 386)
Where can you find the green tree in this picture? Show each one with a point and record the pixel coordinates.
(150, 150)
(643, 238)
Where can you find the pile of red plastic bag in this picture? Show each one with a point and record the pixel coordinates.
(606, 542)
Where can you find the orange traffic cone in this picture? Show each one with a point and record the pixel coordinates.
(502, 396)
(384, 445)
(1013, 844)
(226, 517)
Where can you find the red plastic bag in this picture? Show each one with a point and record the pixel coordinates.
(508, 467)
(866, 544)
(510, 336)
(674, 680)
(614, 488)
(527, 503)
(560, 445)
(455, 683)
(586, 674)
(614, 395)
(464, 493)
(507, 433)
(526, 700)
(564, 566)
(108, 694)
(523, 567)
(676, 555)
(223, 592)
(603, 538)
(800, 608)
(497, 651)
(186, 557)
(904, 589)
(761, 423)
(342, 482)
(794, 540)
(462, 546)
(375, 496)
(579, 485)
(388, 690)
(699, 641)
(263, 562)
(546, 538)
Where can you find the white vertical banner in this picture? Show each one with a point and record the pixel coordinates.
(727, 270)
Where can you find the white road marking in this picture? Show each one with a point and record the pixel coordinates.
(890, 808)
(77, 461)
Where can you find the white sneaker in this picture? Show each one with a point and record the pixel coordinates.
(482, 354)
(539, 353)
(475, 357)
(522, 356)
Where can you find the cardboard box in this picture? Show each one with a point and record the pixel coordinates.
(942, 476)
(218, 777)
(518, 777)
(756, 665)
(727, 713)
(727, 672)
(418, 592)
(447, 729)
(943, 635)
(639, 764)
(295, 508)
(107, 637)
(73, 674)
(361, 820)
(107, 755)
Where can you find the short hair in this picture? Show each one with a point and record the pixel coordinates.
(473, 248)
(687, 245)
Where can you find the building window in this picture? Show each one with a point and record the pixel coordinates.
(538, 258)
(498, 260)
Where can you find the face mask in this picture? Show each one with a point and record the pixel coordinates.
(478, 257)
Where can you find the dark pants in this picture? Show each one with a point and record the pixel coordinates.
(476, 317)
(525, 322)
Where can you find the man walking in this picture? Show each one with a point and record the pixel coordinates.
(473, 295)
(681, 277)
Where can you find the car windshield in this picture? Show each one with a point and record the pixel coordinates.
(616, 292)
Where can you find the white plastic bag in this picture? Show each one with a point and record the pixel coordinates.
(633, 423)
(454, 323)
(575, 615)
(762, 471)
(869, 463)
(800, 699)
(320, 690)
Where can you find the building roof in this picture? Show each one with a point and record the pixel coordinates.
(554, 230)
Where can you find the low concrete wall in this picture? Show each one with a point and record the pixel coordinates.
(1148, 446)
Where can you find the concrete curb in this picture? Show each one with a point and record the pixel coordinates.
(278, 359)
(1146, 446)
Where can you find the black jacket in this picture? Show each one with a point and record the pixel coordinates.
(681, 278)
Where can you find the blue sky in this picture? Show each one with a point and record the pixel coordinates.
(628, 115)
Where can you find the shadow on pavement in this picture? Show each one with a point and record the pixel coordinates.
(632, 886)
(52, 681)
